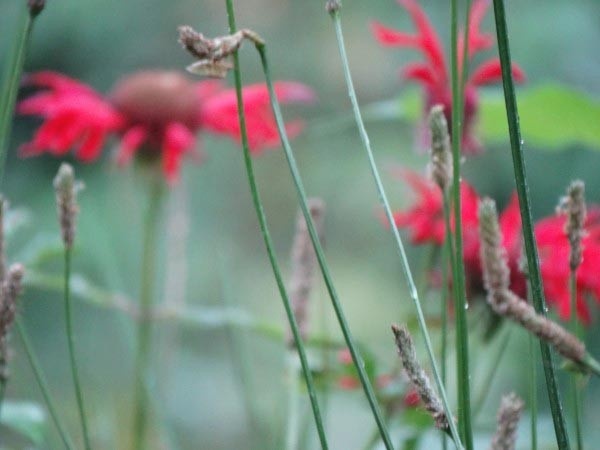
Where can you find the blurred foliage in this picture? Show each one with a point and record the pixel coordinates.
(197, 393)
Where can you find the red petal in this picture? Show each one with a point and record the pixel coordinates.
(90, 148)
(491, 72)
(392, 38)
(420, 72)
(55, 81)
(177, 140)
(130, 142)
(478, 41)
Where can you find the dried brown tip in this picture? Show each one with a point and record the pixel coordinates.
(66, 189)
(418, 377)
(9, 292)
(441, 154)
(303, 263)
(213, 54)
(333, 6)
(509, 413)
(573, 206)
(507, 304)
(35, 7)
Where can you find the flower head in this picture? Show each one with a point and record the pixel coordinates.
(432, 74)
(156, 112)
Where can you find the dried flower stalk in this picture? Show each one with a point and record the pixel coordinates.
(509, 413)
(504, 302)
(303, 262)
(66, 189)
(418, 377)
(440, 166)
(213, 54)
(9, 292)
(573, 206)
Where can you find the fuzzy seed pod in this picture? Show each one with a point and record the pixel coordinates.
(66, 189)
(504, 302)
(303, 262)
(333, 6)
(573, 206)
(418, 377)
(440, 166)
(508, 417)
(35, 6)
(9, 292)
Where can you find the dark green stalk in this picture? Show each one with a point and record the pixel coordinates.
(533, 390)
(71, 344)
(335, 15)
(527, 221)
(446, 252)
(11, 81)
(144, 328)
(267, 239)
(43, 384)
(575, 376)
(348, 338)
(460, 298)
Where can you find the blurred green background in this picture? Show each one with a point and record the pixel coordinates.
(212, 251)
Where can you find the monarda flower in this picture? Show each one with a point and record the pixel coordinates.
(155, 112)
(433, 75)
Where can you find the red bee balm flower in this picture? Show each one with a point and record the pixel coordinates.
(433, 74)
(159, 111)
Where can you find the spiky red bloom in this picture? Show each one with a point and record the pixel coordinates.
(432, 74)
(159, 111)
(554, 249)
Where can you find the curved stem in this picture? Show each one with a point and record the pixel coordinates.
(533, 266)
(257, 202)
(43, 384)
(71, 344)
(348, 338)
(144, 330)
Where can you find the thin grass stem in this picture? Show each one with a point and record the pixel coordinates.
(460, 299)
(575, 376)
(257, 202)
(72, 356)
(144, 327)
(43, 384)
(533, 391)
(535, 279)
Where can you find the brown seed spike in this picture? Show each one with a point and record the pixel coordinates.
(9, 292)
(66, 188)
(509, 414)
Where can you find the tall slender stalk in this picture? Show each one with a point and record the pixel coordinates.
(144, 327)
(527, 221)
(460, 299)
(267, 239)
(335, 15)
(72, 356)
(446, 263)
(43, 384)
(575, 376)
(12, 77)
(533, 390)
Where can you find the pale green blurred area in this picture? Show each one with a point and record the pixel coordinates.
(200, 401)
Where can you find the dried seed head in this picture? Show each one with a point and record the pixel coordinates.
(35, 7)
(333, 6)
(418, 377)
(573, 206)
(303, 262)
(213, 54)
(504, 302)
(66, 189)
(9, 292)
(508, 417)
(441, 154)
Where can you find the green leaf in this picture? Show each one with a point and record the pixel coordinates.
(552, 117)
(28, 419)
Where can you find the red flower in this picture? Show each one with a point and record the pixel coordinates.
(158, 111)
(425, 220)
(433, 74)
(554, 251)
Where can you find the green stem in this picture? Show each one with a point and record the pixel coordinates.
(10, 85)
(460, 298)
(575, 376)
(293, 411)
(43, 384)
(2, 394)
(533, 391)
(144, 328)
(527, 221)
(268, 242)
(446, 255)
(71, 344)
(388, 211)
